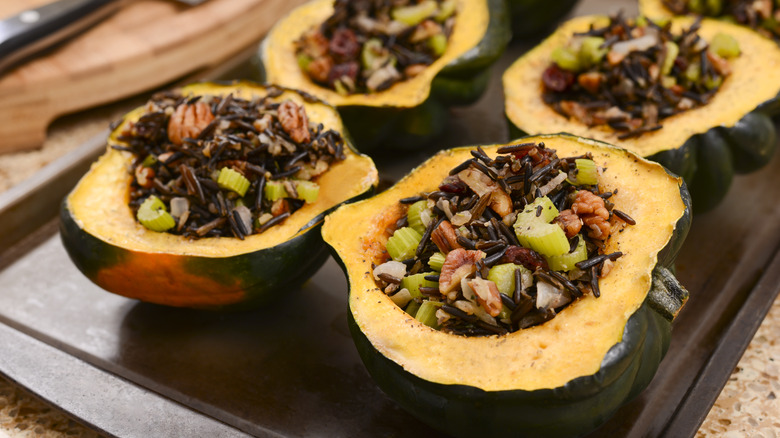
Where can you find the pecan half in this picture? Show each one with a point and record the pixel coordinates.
(445, 238)
(594, 214)
(294, 121)
(569, 222)
(188, 120)
(487, 295)
(459, 264)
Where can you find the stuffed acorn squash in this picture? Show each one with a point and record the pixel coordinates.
(761, 16)
(411, 111)
(707, 144)
(205, 266)
(563, 377)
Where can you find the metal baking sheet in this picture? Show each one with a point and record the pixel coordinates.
(128, 368)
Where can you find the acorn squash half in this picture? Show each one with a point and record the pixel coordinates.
(707, 145)
(411, 112)
(110, 247)
(562, 378)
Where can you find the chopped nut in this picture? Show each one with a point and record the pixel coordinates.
(294, 121)
(279, 206)
(144, 176)
(569, 222)
(414, 70)
(594, 214)
(188, 121)
(720, 64)
(319, 68)
(445, 238)
(314, 43)
(459, 264)
(487, 295)
(425, 30)
(591, 81)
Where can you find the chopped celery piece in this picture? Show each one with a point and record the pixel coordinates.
(693, 72)
(712, 81)
(426, 314)
(149, 161)
(565, 262)
(504, 277)
(307, 190)
(591, 52)
(413, 215)
(505, 313)
(274, 190)
(438, 44)
(446, 9)
(672, 50)
(641, 21)
(587, 174)
(724, 45)
(152, 215)
(340, 87)
(412, 308)
(546, 239)
(714, 7)
(231, 180)
(403, 243)
(436, 261)
(414, 14)
(413, 283)
(696, 6)
(371, 54)
(303, 61)
(668, 81)
(547, 213)
(566, 59)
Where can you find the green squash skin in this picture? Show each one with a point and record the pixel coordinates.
(574, 409)
(578, 407)
(264, 276)
(709, 161)
(461, 82)
(530, 17)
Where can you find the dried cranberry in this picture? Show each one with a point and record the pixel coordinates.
(339, 71)
(557, 79)
(524, 256)
(453, 184)
(344, 45)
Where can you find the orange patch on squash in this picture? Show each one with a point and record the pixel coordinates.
(165, 279)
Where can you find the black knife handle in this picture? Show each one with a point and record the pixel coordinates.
(35, 30)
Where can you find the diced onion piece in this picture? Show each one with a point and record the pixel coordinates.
(401, 298)
(179, 206)
(396, 269)
(549, 296)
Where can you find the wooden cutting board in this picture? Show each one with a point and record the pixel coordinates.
(146, 44)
